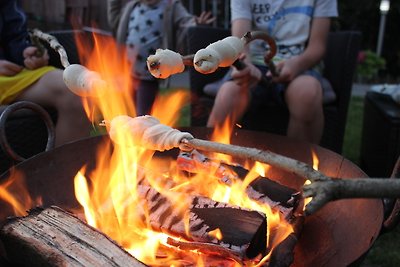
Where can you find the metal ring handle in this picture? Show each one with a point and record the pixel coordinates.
(394, 217)
(44, 115)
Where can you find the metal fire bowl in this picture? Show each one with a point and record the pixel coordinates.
(337, 235)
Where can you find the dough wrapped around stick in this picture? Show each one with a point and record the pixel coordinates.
(165, 63)
(145, 131)
(83, 81)
(221, 53)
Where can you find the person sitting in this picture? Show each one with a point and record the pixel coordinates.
(144, 26)
(300, 29)
(25, 75)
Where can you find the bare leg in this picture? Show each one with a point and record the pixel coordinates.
(231, 103)
(304, 99)
(50, 90)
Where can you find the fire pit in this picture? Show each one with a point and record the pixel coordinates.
(337, 235)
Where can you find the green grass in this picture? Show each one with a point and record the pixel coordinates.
(385, 250)
(352, 138)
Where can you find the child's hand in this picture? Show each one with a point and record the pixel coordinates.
(8, 68)
(32, 61)
(205, 18)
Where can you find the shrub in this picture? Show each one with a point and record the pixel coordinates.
(368, 66)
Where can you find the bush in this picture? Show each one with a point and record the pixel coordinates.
(368, 66)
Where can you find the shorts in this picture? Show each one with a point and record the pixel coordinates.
(275, 92)
(12, 86)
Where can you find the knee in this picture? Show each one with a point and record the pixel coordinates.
(304, 97)
(230, 92)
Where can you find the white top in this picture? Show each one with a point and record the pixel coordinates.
(287, 21)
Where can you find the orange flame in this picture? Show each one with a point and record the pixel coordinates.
(315, 164)
(112, 195)
(14, 192)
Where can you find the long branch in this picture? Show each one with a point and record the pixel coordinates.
(333, 189)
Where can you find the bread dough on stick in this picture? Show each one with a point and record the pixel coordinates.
(145, 131)
(83, 81)
(221, 53)
(165, 63)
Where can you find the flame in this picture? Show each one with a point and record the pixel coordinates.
(13, 191)
(315, 164)
(112, 194)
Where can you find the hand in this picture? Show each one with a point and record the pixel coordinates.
(8, 68)
(287, 69)
(32, 61)
(248, 76)
(205, 18)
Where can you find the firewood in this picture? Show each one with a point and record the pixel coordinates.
(261, 189)
(283, 253)
(243, 231)
(54, 237)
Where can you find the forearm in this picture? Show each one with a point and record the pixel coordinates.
(315, 50)
(239, 28)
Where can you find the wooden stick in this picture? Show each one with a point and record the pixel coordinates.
(53, 42)
(285, 163)
(333, 189)
(54, 237)
(248, 37)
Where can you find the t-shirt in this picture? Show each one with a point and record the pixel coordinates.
(144, 36)
(287, 21)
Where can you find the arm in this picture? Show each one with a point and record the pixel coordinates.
(311, 56)
(114, 8)
(8, 68)
(250, 75)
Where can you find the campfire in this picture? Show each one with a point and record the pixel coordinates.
(124, 204)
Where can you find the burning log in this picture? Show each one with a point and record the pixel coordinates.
(243, 232)
(53, 237)
(261, 189)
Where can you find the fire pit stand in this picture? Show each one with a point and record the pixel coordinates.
(337, 235)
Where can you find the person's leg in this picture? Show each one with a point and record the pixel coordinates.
(304, 99)
(50, 90)
(146, 92)
(230, 103)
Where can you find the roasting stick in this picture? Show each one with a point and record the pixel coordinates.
(222, 53)
(148, 132)
(78, 78)
(325, 191)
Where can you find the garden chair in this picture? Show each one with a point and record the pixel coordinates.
(340, 63)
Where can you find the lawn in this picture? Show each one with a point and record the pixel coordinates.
(385, 251)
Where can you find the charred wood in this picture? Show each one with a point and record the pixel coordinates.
(243, 231)
(261, 189)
